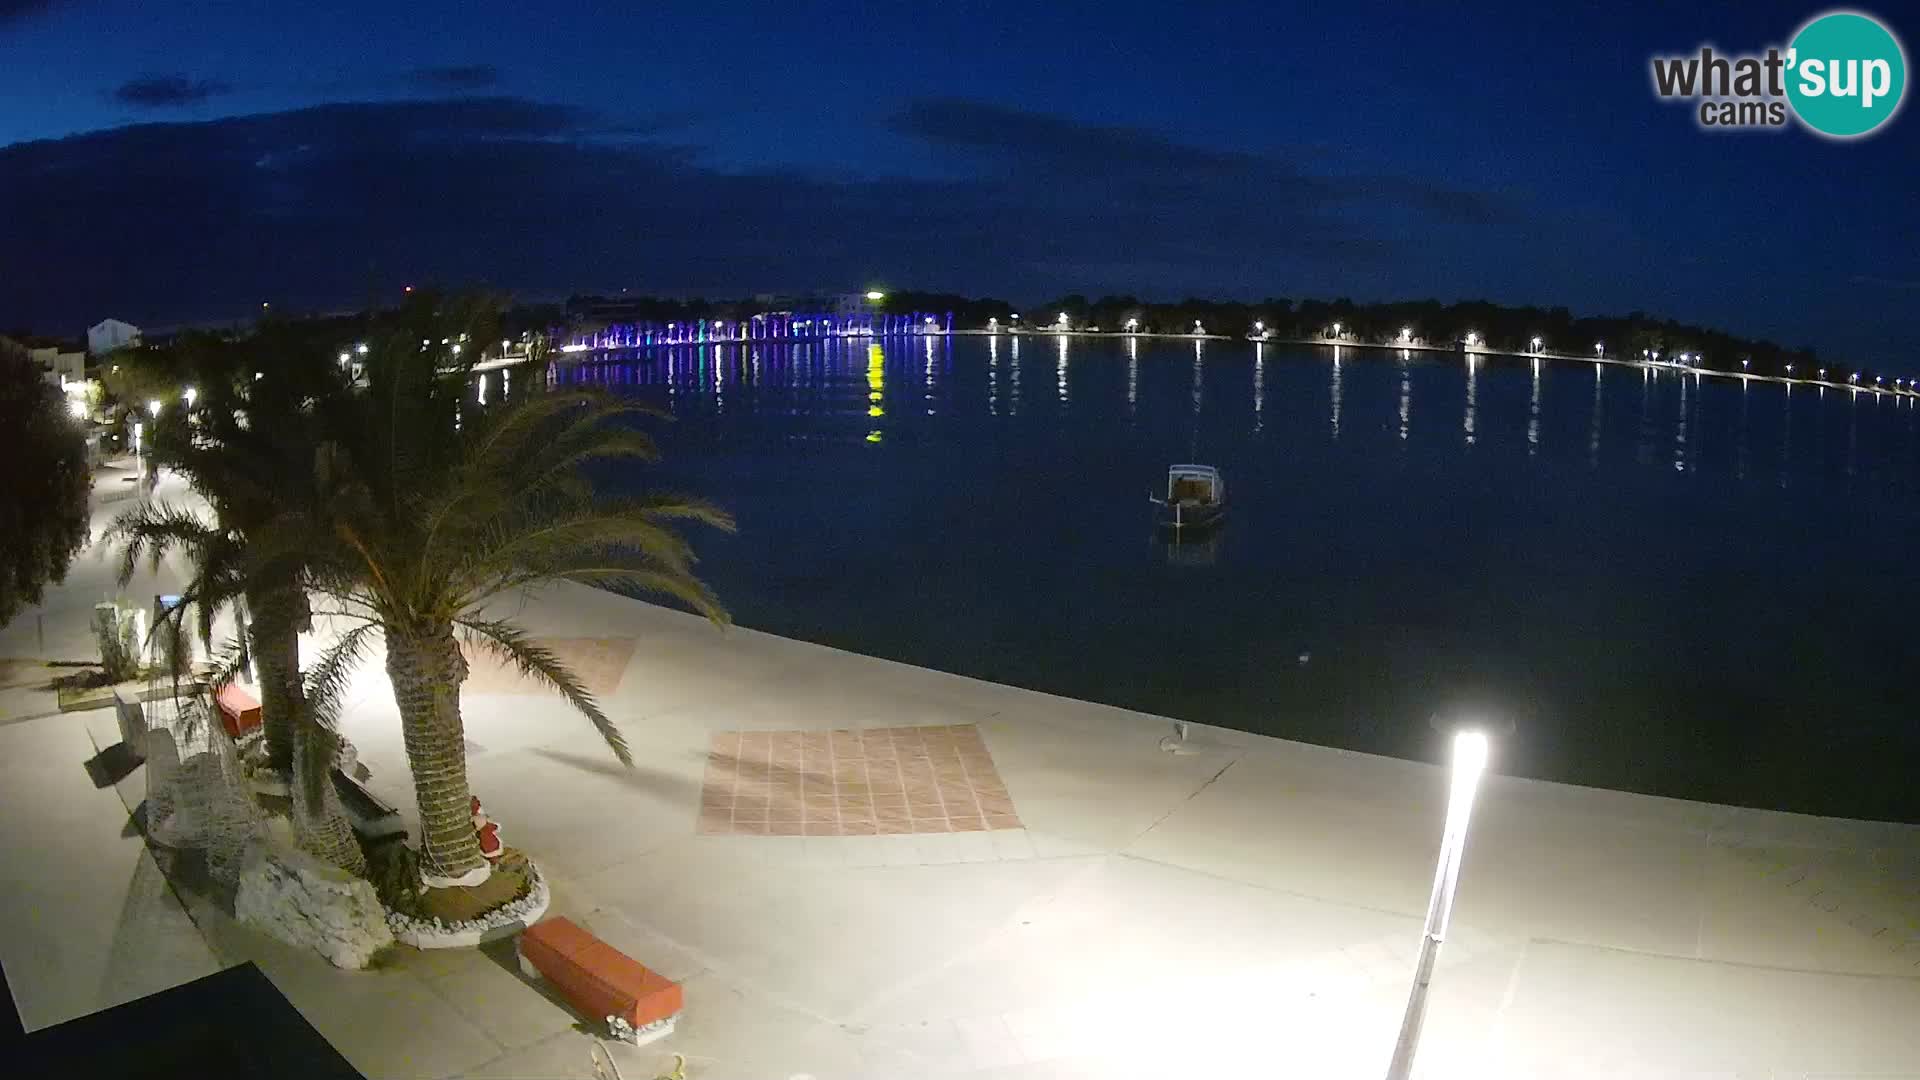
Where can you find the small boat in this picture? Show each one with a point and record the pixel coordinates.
(1196, 499)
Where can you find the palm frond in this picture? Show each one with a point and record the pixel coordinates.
(326, 690)
(228, 664)
(683, 587)
(155, 529)
(511, 644)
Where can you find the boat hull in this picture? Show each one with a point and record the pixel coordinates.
(1190, 519)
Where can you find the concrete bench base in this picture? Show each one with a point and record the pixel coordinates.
(640, 1036)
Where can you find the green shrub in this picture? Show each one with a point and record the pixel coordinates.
(119, 641)
(394, 869)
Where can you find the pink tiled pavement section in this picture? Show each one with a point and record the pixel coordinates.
(853, 782)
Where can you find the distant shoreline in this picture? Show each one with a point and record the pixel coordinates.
(1452, 350)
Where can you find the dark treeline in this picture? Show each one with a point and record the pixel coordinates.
(1504, 328)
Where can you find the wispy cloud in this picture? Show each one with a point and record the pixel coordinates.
(1886, 282)
(1136, 165)
(168, 91)
(12, 11)
(535, 195)
(455, 77)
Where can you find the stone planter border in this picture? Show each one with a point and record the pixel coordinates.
(499, 923)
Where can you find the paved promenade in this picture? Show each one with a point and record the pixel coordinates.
(1248, 909)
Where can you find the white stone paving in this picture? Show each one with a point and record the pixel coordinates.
(1249, 909)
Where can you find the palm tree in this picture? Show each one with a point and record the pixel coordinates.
(437, 505)
(249, 448)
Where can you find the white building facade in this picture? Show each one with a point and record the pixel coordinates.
(110, 334)
(59, 365)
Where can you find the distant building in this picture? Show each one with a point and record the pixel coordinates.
(851, 304)
(61, 364)
(110, 334)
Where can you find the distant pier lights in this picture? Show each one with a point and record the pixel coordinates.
(768, 326)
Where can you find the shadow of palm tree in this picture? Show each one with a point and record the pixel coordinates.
(639, 776)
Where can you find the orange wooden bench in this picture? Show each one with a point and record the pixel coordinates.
(239, 712)
(600, 981)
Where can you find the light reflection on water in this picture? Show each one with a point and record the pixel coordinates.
(1671, 620)
(1533, 412)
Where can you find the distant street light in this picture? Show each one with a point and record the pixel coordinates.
(1469, 761)
(1743, 363)
(345, 358)
(1599, 348)
(1536, 344)
(190, 393)
(1406, 333)
(1823, 373)
(1336, 329)
(1259, 327)
(153, 407)
(1473, 338)
(361, 348)
(1197, 328)
(1132, 325)
(876, 294)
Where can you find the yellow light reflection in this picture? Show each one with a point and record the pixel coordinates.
(876, 387)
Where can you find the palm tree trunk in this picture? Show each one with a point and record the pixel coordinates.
(427, 668)
(275, 634)
(322, 829)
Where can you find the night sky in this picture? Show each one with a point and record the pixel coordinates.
(185, 161)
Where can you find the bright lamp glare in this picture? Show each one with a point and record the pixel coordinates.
(1469, 752)
(77, 408)
(153, 407)
(876, 294)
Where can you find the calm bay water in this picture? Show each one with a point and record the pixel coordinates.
(1693, 588)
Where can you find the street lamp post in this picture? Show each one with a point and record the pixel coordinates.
(1469, 761)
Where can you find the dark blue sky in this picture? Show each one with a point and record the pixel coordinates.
(165, 162)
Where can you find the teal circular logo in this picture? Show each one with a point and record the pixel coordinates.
(1846, 74)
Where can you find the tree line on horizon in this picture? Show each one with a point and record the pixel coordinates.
(1500, 326)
